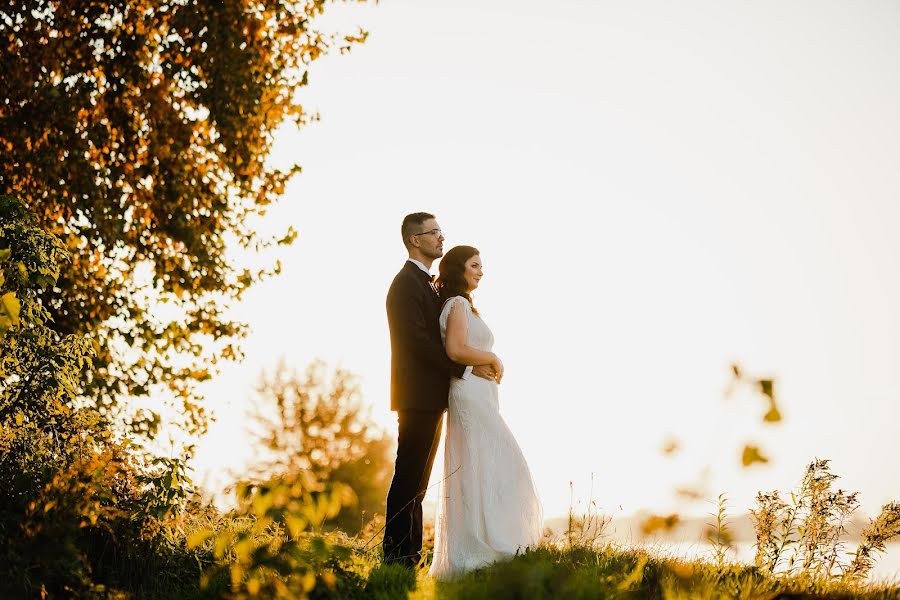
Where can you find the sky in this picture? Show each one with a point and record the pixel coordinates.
(658, 190)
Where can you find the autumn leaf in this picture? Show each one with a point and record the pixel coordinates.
(657, 523)
(752, 455)
(671, 446)
(309, 581)
(692, 493)
(10, 306)
(773, 416)
(197, 538)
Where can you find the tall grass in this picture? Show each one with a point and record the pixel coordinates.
(805, 531)
(271, 548)
(611, 571)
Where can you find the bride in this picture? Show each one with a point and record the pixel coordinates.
(488, 507)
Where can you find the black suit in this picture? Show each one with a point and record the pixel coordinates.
(420, 382)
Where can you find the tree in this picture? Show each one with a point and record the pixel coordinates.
(138, 131)
(308, 424)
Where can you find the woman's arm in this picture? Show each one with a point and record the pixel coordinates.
(455, 342)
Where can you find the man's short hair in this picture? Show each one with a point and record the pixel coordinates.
(411, 223)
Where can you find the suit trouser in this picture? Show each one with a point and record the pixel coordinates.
(417, 441)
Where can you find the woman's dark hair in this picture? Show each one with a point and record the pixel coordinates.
(451, 280)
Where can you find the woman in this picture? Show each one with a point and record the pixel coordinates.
(488, 508)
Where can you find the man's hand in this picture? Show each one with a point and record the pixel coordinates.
(485, 372)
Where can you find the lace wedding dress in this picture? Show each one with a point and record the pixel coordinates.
(488, 507)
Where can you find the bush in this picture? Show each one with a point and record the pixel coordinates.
(271, 547)
(75, 512)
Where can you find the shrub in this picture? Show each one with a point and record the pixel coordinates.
(271, 546)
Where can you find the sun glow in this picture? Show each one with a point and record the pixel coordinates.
(656, 195)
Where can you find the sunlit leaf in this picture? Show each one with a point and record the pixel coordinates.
(11, 306)
(243, 548)
(253, 586)
(329, 579)
(295, 524)
(690, 493)
(197, 538)
(656, 523)
(772, 416)
(223, 541)
(636, 576)
(309, 581)
(671, 446)
(751, 455)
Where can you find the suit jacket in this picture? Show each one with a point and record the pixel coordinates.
(420, 368)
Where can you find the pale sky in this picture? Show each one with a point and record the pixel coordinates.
(658, 189)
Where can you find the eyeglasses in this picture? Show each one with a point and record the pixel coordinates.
(434, 232)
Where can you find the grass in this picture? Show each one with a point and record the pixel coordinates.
(579, 564)
(573, 567)
(267, 549)
(612, 571)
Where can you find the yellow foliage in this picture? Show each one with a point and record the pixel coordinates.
(9, 311)
(657, 523)
(751, 455)
(197, 538)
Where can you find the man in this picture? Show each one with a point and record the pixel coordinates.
(420, 382)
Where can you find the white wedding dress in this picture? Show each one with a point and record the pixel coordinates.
(488, 507)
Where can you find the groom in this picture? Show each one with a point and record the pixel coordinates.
(420, 382)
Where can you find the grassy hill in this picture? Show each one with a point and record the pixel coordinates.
(611, 572)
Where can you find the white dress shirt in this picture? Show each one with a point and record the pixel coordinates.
(420, 265)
